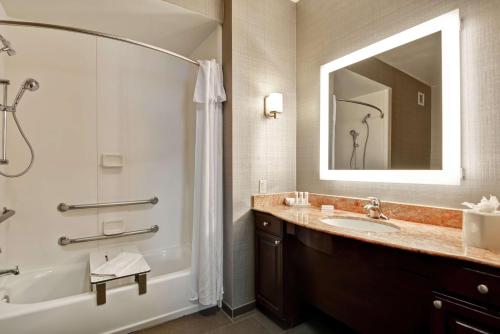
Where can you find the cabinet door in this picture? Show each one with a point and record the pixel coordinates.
(269, 272)
(452, 316)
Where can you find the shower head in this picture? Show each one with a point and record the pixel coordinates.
(28, 84)
(7, 47)
(365, 118)
(31, 85)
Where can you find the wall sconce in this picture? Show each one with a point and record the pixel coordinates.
(273, 105)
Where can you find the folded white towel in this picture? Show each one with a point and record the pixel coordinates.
(118, 266)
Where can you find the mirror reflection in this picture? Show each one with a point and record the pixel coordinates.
(385, 111)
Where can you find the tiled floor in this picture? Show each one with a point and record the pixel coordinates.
(253, 322)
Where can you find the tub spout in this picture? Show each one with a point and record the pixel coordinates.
(13, 271)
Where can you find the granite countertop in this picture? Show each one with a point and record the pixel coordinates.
(415, 237)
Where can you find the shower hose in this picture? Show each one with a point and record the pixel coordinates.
(366, 142)
(26, 140)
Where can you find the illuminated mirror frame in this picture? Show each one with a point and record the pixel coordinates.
(449, 26)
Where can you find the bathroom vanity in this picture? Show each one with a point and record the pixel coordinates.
(378, 112)
(373, 282)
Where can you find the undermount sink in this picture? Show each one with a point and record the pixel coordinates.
(359, 224)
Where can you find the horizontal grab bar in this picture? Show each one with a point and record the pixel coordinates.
(63, 207)
(63, 241)
(6, 214)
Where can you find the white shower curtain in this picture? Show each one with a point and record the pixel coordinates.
(206, 258)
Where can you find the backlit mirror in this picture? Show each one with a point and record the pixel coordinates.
(390, 111)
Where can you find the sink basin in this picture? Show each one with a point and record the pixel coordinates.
(360, 225)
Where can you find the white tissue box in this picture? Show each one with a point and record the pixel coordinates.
(481, 229)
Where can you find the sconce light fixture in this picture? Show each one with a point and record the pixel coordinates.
(273, 105)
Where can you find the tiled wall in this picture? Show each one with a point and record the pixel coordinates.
(329, 29)
(210, 8)
(263, 61)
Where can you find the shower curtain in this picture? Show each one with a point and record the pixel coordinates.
(206, 258)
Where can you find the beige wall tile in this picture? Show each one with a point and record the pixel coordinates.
(329, 29)
(262, 61)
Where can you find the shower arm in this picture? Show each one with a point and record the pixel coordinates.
(364, 104)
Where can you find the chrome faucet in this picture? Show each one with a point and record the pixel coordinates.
(374, 209)
(13, 271)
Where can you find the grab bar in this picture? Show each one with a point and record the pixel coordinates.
(63, 207)
(6, 214)
(63, 241)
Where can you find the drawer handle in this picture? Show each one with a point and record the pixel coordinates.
(483, 289)
(276, 242)
(265, 223)
(437, 304)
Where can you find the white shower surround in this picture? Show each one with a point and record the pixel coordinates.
(91, 102)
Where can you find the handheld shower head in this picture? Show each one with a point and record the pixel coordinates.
(28, 84)
(31, 84)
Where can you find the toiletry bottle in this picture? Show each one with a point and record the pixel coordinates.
(306, 198)
(296, 198)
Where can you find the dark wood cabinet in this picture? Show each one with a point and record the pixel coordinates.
(362, 285)
(370, 288)
(454, 316)
(269, 272)
(274, 295)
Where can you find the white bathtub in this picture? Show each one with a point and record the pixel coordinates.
(59, 300)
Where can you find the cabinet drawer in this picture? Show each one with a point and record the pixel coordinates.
(474, 284)
(269, 224)
(451, 315)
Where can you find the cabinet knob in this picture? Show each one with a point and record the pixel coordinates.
(483, 289)
(265, 223)
(437, 304)
(276, 242)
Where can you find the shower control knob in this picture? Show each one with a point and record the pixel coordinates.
(276, 242)
(265, 223)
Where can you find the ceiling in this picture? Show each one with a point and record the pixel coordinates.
(420, 59)
(348, 84)
(155, 22)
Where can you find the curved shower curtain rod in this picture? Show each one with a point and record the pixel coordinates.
(98, 34)
(364, 104)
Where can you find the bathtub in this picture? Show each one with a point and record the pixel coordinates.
(59, 300)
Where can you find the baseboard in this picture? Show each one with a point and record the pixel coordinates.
(234, 312)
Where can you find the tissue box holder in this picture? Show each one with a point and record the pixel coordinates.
(481, 230)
